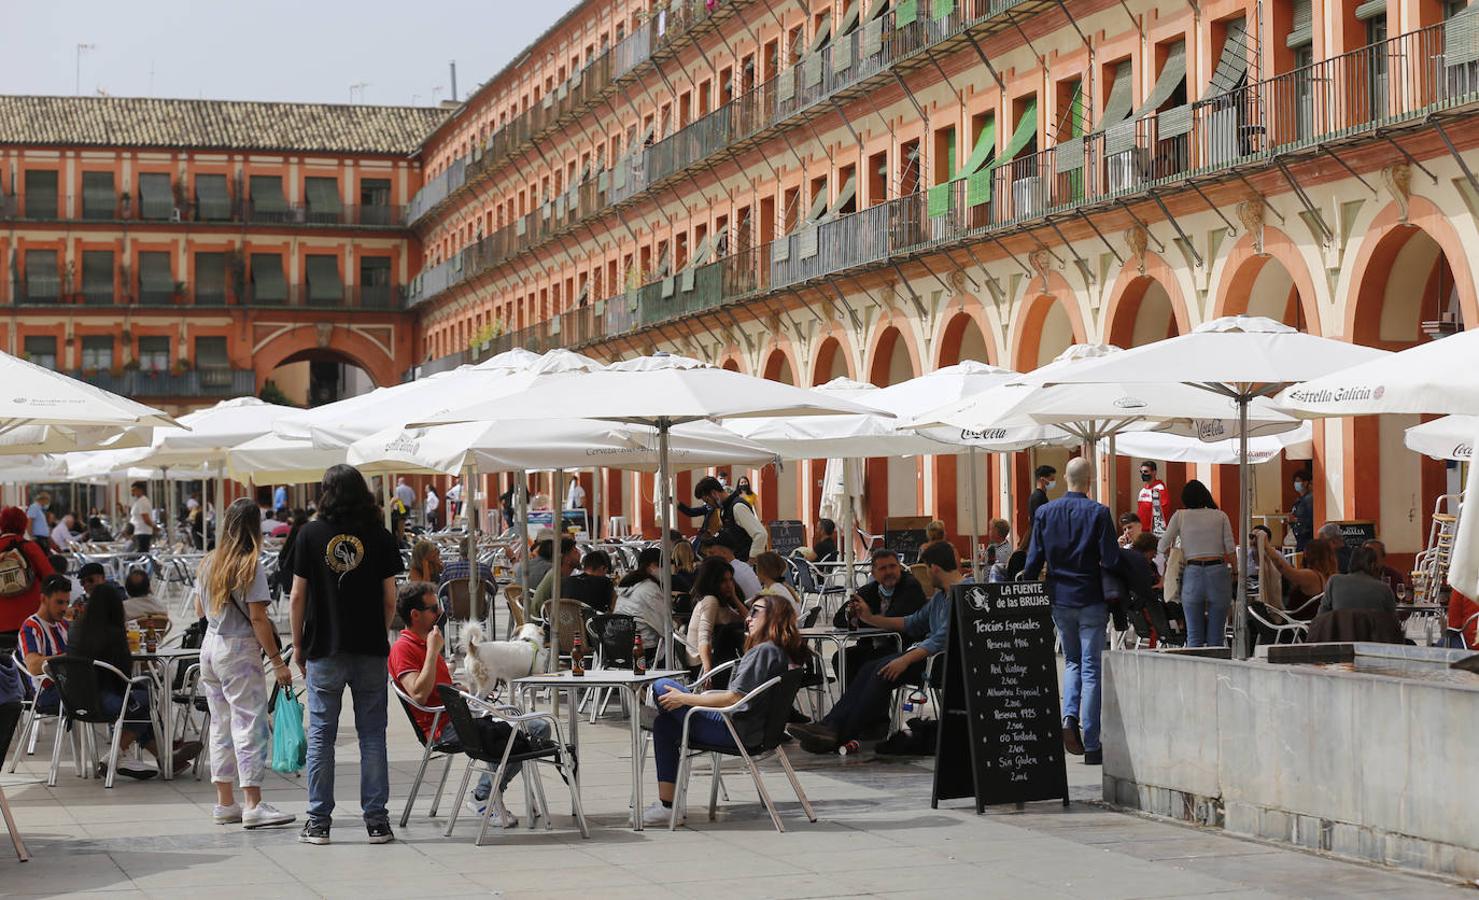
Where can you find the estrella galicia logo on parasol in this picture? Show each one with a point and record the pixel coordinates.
(1130, 403)
(344, 553)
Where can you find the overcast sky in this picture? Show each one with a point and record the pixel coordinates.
(308, 50)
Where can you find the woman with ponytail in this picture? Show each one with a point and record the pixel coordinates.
(232, 595)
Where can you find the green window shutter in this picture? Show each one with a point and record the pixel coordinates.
(1173, 74)
(978, 186)
(950, 142)
(1026, 130)
(939, 200)
(1121, 95)
(211, 199)
(1076, 112)
(941, 9)
(155, 276)
(43, 280)
(267, 195)
(985, 146)
(268, 283)
(97, 195)
(323, 196)
(1301, 31)
(1371, 9)
(97, 272)
(324, 285)
(210, 276)
(1232, 65)
(156, 199)
(908, 13)
(41, 194)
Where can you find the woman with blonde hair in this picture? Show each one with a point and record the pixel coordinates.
(771, 569)
(426, 563)
(231, 593)
(684, 564)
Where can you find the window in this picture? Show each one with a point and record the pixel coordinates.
(97, 353)
(268, 283)
(374, 281)
(210, 353)
(156, 198)
(41, 351)
(212, 202)
(97, 277)
(42, 280)
(877, 178)
(324, 205)
(324, 286)
(154, 354)
(268, 202)
(156, 281)
(98, 201)
(210, 279)
(41, 194)
(374, 201)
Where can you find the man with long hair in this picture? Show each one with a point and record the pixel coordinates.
(343, 601)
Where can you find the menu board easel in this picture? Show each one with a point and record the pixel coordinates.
(1001, 737)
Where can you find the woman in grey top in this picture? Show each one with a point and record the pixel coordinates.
(1207, 545)
(1363, 588)
(231, 593)
(772, 645)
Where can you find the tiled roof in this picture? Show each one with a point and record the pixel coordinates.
(226, 124)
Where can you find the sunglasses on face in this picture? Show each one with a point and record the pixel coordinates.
(755, 610)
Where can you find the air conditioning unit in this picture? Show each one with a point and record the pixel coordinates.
(1128, 170)
(1027, 197)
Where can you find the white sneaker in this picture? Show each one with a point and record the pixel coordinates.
(226, 815)
(475, 806)
(501, 815)
(657, 814)
(263, 815)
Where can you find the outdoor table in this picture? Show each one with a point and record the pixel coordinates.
(841, 637)
(161, 666)
(622, 679)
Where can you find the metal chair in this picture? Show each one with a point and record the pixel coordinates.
(811, 581)
(494, 760)
(431, 748)
(613, 637)
(513, 599)
(31, 717)
(929, 685)
(782, 691)
(1278, 623)
(16, 840)
(81, 701)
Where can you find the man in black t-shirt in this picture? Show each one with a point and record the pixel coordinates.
(344, 568)
(1046, 477)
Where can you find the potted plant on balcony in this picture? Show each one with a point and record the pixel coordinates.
(181, 366)
(182, 290)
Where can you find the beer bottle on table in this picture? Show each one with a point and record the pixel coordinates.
(639, 656)
(852, 613)
(577, 658)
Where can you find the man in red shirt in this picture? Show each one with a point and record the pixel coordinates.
(418, 666)
(23, 566)
(1154, 506)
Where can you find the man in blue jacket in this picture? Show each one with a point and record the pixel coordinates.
(1074, 536)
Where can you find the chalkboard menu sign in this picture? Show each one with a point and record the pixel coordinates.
(1001, 737)
(1356, 533)
(905, 535)
(786, 535)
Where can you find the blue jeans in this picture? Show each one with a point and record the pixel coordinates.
(667, 731)
(365, 678)
(1081, 631)
(1206, 592)
(138, 709)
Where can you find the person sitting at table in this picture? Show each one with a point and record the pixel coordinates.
(23, 566)
(934, 533)
(1393, 579)
(44, 635)
(772, 646)
(1332, 533)
(417, 664)
(569, 559)
(533, 567)
(825, 547)
(999, 548)
(895, 592)
(426, 563)
(717, 614)
(867, 697)
(100, 634)
(61, 533)
(282, 523)
(140, 602)
(1361, 588)
(97, 530)
(771, 569)
(685, 563)
(592, 585)
(1308, 581)
(639, 595)
(746, 582)
(459, 569)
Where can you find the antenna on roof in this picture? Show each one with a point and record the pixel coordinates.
(358, 87)
(453, 64)
(77, 84)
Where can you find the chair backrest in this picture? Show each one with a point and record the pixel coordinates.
(615, 633)
(461, 718)
(571, 616)
(456, 599)
(921, 572)
(78, 682)
(810, 619)
(778, 703)
(406, 704)
(807, 577)
(513, 595)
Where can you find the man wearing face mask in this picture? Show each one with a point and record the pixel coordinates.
(1154, 508)
(1046, 481)
(1302, 516)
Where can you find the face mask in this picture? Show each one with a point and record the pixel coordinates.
(885, 590)
(1299, 487)
(1145, 476)
(1052, 483)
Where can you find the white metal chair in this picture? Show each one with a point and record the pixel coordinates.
(430, 749)
(81, 702)
(31, 718)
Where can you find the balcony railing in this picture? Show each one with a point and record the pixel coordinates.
(1399, 81)
(581, 89)
(303, 296)
(205, 381)
(241, 211)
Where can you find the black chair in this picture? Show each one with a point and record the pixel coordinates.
(430, 749)
(487, 757)
(779, 694)
(78, 681)
(613, 636)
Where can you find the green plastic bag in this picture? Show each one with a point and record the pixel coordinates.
(289, 743)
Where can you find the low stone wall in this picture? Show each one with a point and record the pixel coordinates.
(1372, 767)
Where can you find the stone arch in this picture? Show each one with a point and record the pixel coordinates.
(890, 336)
(1048, 321)
(1385, 251)
(891, 485)
(965, 334)
(780, 365)
(308, 339)
(1276, 283)
(732, 364)
(1140, 301)
(832, 360)
(780, 492)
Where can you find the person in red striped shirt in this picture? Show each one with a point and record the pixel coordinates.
(44, 634)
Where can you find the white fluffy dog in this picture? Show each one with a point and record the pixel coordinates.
(491, 662)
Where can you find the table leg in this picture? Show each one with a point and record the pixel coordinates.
(574, 733)
(636, 723)
(164, 740)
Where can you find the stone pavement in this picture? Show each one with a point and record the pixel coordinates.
(876, 836)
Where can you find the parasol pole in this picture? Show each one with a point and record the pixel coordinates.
(1245, 518)
(975, 520)
(664, 515)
